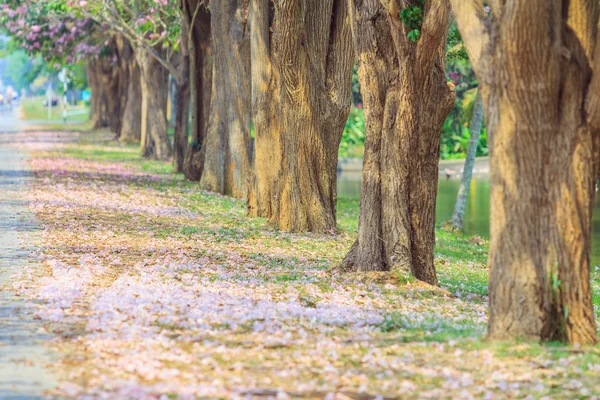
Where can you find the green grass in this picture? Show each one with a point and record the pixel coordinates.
(32, 109)
(460, 262)
(129, 154)
(417, 319)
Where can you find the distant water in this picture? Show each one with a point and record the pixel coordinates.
(477, 213)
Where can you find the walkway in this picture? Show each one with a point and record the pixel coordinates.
(9, 119)
(24, 361)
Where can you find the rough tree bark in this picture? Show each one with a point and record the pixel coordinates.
(121, 67)
(458, 215)
(173, 97)
(111, 83)
(406, 100)
(96, 92)
(301, 96)
(540, 82)
(227, 145)
(113, 77)
(154, 84)
(131, 128)
(197, 19)
(99, 107)
(182, 103)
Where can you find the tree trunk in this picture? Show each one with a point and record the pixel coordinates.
(131, 95)
(99, 102)
(96, 93)
(406, 99)
(458, 214)
(172, 101)
(111, 84)
(154, 84)
(301, 97)
(182, 102)
(542, 111)
(131, 129)
(123, 51)
(200, 50)
(227, 145)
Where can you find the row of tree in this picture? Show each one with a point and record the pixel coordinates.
(283, 68)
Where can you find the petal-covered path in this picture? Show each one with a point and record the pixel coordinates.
(24, 362)
(154, 290)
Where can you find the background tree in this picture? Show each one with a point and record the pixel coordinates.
(227, 146)
(456, 129)
(458, 213)
(457, 56)
(152, 28)
(301, 96)
(540, 84)
(196, 17)
(182, 100)
(131, 126)
(61, 36)
(401, 66)
(20, 69)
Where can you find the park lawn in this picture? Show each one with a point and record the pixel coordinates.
(155, 288)
(32, 109)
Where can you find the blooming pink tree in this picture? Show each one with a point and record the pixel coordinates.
(65, 38)
(153, 29)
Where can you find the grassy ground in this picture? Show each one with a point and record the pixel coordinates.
(155, 288)
(32, 109)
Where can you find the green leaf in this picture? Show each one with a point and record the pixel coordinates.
(414, 35)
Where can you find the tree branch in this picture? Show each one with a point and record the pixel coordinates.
(168, 66)
(340, 54)
(435, 26)
(193, 21)
(470, 19)
(118, 24)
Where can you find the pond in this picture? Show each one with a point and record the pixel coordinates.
(477, 213)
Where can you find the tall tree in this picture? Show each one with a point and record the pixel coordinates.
(301, 97)
(538, 62)
(182, 102)
(131, 126)
(458, 215)
(112, 75)
(60, 36)
(401, 68)
(105, 83)
(196, 17)
(227, 145)
(155, 89)
(152, 28)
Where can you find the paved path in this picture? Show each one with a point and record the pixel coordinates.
(24, 361)
(9, 119)
(10, 122)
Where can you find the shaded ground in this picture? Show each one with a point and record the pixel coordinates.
(156, 289)
(24, 361)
